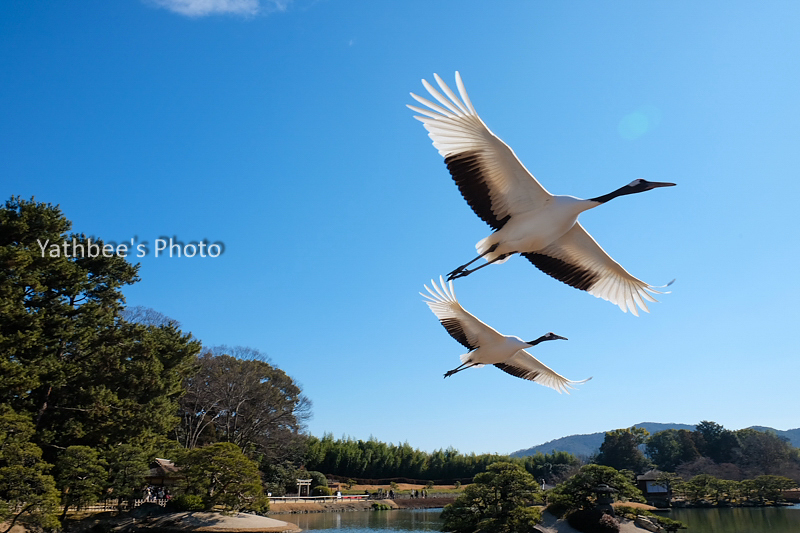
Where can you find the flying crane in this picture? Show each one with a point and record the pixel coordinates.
(489, 347)
(525, 217)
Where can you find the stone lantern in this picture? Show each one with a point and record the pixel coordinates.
(605, 497)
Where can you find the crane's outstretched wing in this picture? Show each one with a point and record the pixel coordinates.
(490, 177)
(460, 324)
(577, 260)
(524, 365)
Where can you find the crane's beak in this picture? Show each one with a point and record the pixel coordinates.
(548, 337)
(656, 184)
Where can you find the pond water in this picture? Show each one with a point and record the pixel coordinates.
(730, 520)
(739, 519)
(368, 521)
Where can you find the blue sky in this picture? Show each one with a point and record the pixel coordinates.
(280, 129)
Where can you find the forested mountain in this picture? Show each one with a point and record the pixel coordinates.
(792, 435)
(589, 444)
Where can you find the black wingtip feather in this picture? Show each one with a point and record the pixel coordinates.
(455, 330)
(572, 275)
(517, 372)
(465, 168)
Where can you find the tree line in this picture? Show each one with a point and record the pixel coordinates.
(372, 459)
(709, 449)
(705, 489)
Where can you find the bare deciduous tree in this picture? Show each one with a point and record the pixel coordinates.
(147, 316)
(244, 400)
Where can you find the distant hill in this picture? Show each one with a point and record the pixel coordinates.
(793, 435)
(587, 445)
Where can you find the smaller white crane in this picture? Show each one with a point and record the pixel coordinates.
(489, 347)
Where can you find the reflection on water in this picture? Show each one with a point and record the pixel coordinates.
(730, 520)
(739, 519)
(365, 521)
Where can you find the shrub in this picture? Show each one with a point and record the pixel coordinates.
(558, 504)
(381, 507)
(186, 502)
(608, 524)
(593, 521)
(524, 519)
(318, 479)
(632, 513)
(628, 512)
(258, 505)
(321, 491)
(669, 524)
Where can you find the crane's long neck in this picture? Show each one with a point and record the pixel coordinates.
(631, 188)
(547, 337)
(622, 191)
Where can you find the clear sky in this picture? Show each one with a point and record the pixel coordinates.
(280, 129)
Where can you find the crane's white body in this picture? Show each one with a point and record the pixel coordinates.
(493, 348)
(487, 346)
(526, 218)
(555, 218)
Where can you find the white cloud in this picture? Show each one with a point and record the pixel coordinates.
(202, 8)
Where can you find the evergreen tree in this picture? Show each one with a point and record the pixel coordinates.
(81, 475)
(553, 467)
(578, 492)
(67, 358)
(620, 450)
(670, 448)
(26, 488)
(762, 453)
(127, 468)
(222, 475)
(715, 442)
(499, 501)
(769, 487)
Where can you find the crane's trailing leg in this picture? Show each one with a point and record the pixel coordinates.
(462, 270)
(458, 369)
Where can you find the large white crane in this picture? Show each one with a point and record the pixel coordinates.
(525, 217)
